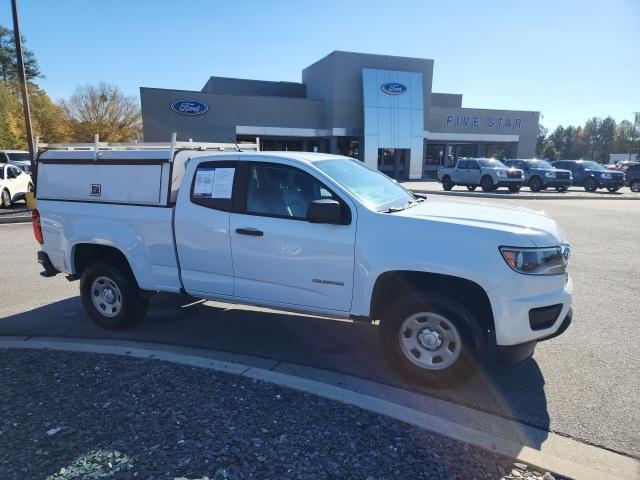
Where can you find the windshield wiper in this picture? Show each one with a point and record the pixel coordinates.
(409, 204)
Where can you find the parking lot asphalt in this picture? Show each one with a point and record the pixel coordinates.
(435, 187)
(584, 384)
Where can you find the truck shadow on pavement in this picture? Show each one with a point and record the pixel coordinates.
(515, 392)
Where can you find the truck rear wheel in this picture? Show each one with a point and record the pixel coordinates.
(111, 297)
(428, 338)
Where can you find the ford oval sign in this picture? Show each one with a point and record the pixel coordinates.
(189, 107)
(394, 88)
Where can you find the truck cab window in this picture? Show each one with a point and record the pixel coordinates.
(282, 191)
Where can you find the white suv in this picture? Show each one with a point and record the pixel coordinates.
(14, 184)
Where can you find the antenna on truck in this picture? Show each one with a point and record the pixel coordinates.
(233, 141)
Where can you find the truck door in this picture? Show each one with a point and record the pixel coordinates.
(281, 258)
(460, 172)
(473, 172)
(201, 228)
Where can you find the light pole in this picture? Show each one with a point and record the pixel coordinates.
(23, 82)
(636, 127)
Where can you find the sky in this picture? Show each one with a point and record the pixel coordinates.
(570, 60)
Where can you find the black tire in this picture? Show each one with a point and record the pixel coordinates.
(613, 189)
(590, 185)
(390, 338)
(447, 184)
(514, 188)
(471, 188)
(561, 189)
(5, 199)
(535, 184)
(486, 183)
(133, 306)
(30, 187)
(634, 185)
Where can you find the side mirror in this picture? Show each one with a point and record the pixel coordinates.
(324, 211)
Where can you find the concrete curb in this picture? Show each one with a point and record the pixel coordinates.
(515, 196)
(560, 455)
(11, 220)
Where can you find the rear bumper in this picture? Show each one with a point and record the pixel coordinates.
(45, 261)
(512, 354)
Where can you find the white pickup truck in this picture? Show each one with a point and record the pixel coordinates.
(447, 284)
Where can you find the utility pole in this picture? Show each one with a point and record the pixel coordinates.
(23, 83)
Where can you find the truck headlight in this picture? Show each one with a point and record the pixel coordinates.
(606, 175)
(538, 261)
(550, 174)
(501, 173)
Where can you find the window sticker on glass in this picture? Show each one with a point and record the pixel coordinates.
(204, 182)
(223, 182)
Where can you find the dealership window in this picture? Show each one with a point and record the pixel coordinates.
(349, 147)
(434, 154)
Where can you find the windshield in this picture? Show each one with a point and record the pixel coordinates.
(541, 164)
(592, 166)
(372, 188)
(492, 163)
(18, 155)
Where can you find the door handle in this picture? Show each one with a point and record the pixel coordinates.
(250, 231)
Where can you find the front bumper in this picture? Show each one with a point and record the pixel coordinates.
(513, 300)
(612, 183)
(557, 182)
(510, 354)
(509, 182)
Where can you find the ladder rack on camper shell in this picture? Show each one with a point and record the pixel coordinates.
(98, 146)
(122, 173)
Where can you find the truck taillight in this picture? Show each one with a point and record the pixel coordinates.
(37, 228)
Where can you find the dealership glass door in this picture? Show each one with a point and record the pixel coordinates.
(394, 162)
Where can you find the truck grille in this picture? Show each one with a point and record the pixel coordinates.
(514, 174)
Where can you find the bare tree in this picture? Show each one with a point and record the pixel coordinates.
(102, 109)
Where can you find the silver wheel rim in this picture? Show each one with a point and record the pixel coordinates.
(430, 341)
(635, 187)
(106, 296)
(6, 200)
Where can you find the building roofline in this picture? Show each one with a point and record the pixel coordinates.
(232, 95)
(367, 54)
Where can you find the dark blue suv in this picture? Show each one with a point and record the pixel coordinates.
(540, 174)
(592, 175)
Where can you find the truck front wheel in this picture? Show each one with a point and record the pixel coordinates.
(486, 183)
(428, 338)
(111, 297)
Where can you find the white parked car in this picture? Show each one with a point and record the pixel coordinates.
(14, 184)
(449, 283)
(19, 158)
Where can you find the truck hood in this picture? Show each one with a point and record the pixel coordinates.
(540, 229)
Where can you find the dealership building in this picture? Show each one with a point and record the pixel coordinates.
(377, 108)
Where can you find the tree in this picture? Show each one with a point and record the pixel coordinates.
(623, 138)
(9, 61)
(549, 152)
(541, 141)
(8, 106)
(606, 136)
(102, 109)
